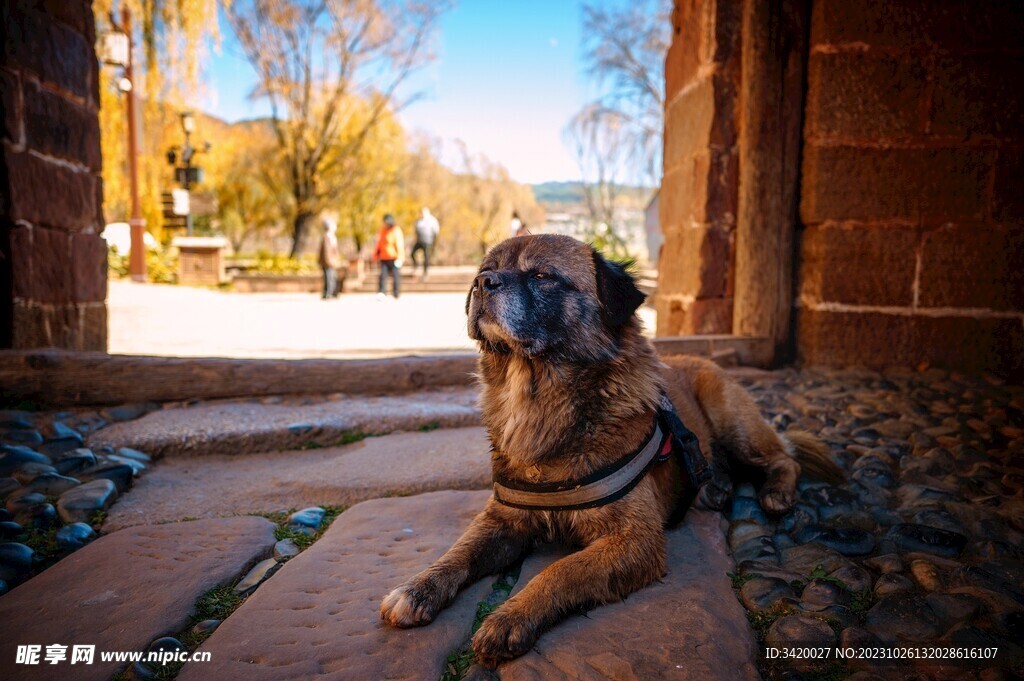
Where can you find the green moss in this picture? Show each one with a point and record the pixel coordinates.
(427, 427)
(301, 539)
(762, 621)
(459, 661)
(739, 580)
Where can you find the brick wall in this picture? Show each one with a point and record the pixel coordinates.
(53, 280)
(699, 189)
(912, 249)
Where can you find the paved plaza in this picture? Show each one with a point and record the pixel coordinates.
(154, 319)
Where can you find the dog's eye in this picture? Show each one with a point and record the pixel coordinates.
(542, 276)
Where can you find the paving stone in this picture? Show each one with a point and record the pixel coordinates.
(396, 464)
(127, 588)
(688, 626)
(318, 616)
(251, 427)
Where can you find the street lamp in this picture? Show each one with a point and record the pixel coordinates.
(187, 174)
(116, 49)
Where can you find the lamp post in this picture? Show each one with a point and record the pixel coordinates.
(118, 52)
(188, 125)
(187, 174)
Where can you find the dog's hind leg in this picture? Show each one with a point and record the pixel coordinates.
(738, 429)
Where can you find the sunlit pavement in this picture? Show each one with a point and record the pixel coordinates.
(153, 319)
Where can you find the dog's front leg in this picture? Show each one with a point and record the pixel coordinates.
(491, 543)
(605, 571)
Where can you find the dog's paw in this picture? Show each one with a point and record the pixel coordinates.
(413, 604)
(505, 634)
(777, 499)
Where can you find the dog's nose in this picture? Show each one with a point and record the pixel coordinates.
(488, 282)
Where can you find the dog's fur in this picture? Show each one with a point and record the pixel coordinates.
(571, 385)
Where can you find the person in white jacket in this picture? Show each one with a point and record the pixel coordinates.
(427, 228)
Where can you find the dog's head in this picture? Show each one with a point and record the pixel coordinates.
(550, 296)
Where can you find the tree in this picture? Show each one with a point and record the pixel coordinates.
(600, 139)
(314, 56)
(171, 38)
(625, 52)
(246, 202)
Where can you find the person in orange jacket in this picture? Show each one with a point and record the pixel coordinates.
(390, 253)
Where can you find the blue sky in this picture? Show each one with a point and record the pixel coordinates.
(507, 78)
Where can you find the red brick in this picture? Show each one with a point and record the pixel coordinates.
(45, 193)
(57, 127)
(53, 51)
(861, 94)
(880, 340)
(703, 316)
(683, 197)
(979, 95)
(52, 280)
(77, 14)
(691, 27)
(10, 96)
(977, 267)
(695, 262)
(89, 268)
(93, 334)
(856, 183)
(688, 123)
(1008, 199)
(21, 261)
(858, 265)
(919, 25)
(705, 32)
(878, 23)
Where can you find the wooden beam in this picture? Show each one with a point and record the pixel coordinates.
(63, 378)
(56, 378)
(774, 62)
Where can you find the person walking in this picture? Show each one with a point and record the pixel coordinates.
(330, 258)
(517, 227)
(390, 253)
(427, 228)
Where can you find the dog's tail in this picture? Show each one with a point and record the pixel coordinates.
(813, 456)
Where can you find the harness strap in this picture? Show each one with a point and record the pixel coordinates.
(669, 436)
(607, 486)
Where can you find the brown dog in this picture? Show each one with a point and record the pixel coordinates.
(571, 390)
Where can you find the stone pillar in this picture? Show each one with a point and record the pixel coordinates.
(53, 264)
(699, 189)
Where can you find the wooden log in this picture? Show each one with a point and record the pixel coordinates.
(55, 378)
(62, 378)
(774, 63)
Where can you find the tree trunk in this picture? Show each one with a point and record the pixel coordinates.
(300, 228)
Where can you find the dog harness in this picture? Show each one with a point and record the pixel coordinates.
(668, 436)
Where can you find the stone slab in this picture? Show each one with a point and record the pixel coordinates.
(250, 427)
(688, 626)
(124, 590)
(319, 615)
(219, 485)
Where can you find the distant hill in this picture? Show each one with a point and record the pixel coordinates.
(565, 194)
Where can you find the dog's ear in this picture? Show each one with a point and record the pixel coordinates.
(469, 297)
(617, 291)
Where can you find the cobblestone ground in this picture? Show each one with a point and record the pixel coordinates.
(923, 543)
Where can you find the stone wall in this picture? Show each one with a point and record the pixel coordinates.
(912, 249)
(53, 272)
(698, 193)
